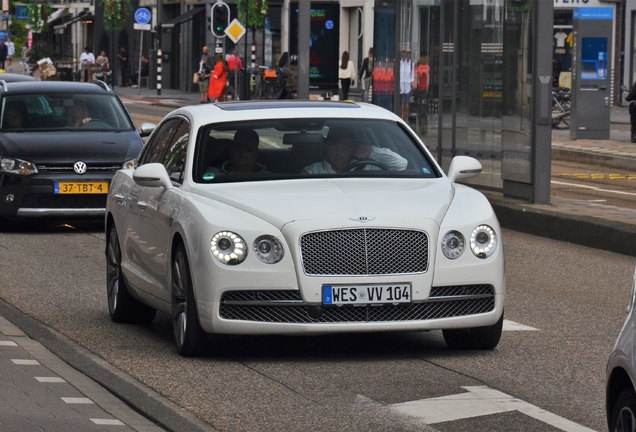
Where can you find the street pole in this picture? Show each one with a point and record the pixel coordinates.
(141, 47)
(304, 25)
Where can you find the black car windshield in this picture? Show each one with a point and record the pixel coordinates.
(63, 112)
(303, 148)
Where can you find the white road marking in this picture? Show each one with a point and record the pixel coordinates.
(480, 401)
(107, 422)
(50, 379)
(25, 362)
(77, 400)
(8, 343)
(515, 326)
(593, 188)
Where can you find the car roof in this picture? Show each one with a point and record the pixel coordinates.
(12, 77)
(284, 109)
(25, 87)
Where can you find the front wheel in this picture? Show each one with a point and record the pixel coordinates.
(623, 417)
(188, 334)
(122, 307)
(479, 338)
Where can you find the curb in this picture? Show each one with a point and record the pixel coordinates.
(594, 158)
(586, 231)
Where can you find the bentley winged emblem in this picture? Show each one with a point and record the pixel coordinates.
(362, 219)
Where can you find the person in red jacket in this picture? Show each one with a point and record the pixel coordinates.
(218, 80)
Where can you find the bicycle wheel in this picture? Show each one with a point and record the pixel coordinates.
(268, 91)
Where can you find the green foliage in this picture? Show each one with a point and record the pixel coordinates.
(256, 10)
(38, 16)
(115, 13)
(19, 34)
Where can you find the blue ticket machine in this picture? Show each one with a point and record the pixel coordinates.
(590, 118)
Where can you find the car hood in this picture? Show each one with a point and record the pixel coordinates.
(282, 202)
(57, 147)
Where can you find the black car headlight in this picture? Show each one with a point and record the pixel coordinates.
(268, 249)
(129, 163)
(228, 247)
(17, 166)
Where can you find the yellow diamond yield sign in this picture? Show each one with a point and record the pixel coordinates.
(235, 30)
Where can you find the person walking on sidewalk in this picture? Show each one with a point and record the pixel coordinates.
(10, 54)
(235, 64)
(365, 74)
(218, 80)
(346, 75)
(631, 98)
(204, 79)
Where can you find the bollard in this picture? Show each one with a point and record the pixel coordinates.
(159, 72)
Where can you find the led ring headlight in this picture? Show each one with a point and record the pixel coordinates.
(483, 241)
(268, 249)
(228, 248)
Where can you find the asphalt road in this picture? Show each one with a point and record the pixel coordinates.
(574, 296)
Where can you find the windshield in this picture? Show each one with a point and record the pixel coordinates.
(63, 112)
(302, 148)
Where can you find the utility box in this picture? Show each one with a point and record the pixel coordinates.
(591, 86)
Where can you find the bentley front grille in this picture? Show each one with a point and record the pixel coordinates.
(288, 307)
(364, 251)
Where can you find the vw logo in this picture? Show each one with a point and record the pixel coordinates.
(79, 167)
(363, 219)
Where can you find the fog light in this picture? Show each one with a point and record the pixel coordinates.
(9, 198)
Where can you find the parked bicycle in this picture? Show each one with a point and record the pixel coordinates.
(268, 83)
(561, 107)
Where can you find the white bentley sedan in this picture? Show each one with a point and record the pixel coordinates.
(301, 217)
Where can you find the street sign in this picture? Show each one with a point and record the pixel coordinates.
(138, 26)
(142, 16)
(235, 30)
(21, 12)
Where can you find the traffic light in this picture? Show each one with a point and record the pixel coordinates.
(220, 18)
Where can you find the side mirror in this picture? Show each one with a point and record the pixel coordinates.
(146, 129)
(463, 167)
(152, 175)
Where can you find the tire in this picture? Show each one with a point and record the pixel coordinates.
(564, 122)
(122, 307)
(188, 334)
(479, 338)
(623, 417)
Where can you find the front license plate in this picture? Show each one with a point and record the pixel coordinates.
(365, 294)
(80, 188)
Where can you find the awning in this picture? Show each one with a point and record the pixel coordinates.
(183, 18)
(57, 14)
(85, 15)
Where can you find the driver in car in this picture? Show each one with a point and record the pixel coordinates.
(343, 154)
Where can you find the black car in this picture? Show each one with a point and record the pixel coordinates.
(60, 145)
(13, 77)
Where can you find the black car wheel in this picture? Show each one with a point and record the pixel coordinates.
(623, 417)
(123, 307)
(188, 334)
(480, 338)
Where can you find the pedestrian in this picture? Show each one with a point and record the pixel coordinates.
(290, 75)
(406, 81)
(346, 75)
(3, 54)
(366, 74)
(102, 60)
(145, 69)
(631, 98)
(235, 65)
(123, 65)
(421, 92)
(10, 54)
(204, 79)
(86, 59)
(218, 80)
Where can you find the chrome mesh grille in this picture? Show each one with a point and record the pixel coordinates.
(298, 313)
(364, 251)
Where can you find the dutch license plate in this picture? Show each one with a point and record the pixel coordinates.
(365, 294)
(80, 188)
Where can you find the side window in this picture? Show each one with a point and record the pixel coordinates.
(156, 147)
(175, 157)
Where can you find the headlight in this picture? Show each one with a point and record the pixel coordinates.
(17, 166)
(228, 248)
(483, 241)
(268, 249)
(129, 164)
(453, 245)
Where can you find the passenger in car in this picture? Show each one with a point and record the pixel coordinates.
(13, 118)
(243, 154)
(341, 151)
(77, 114)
